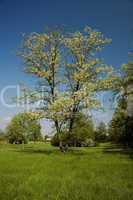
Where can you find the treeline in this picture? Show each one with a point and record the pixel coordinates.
(84, 133)
(24, 127)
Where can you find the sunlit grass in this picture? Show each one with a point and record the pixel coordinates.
(41, 172)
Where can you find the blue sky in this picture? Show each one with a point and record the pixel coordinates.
(112, 17)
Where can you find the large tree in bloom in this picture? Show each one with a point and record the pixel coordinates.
(69, 71)
(86, 74)
(42, 56)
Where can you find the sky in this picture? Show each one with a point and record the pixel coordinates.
(112, 17)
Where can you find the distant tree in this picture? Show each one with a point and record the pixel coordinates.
(34, 131)
(1, 132)
(121, 125)
(2, 136)
(127, 77)
(101, 133)
(127, 84)
(82, 134)
(82, 130)
(23, 127)
(125, 89)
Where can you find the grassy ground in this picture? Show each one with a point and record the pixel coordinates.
(41, 172)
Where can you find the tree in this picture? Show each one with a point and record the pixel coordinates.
(128, 72)
(2, 136)
(82, 135)
(121, 125)
(82, 130)
(23, 127)
(86, 74)
(120, 128)
(125, 88)
(127, 84)
(41, 54)
(1, 132)
(34, 131)
(69, 73)
(101, 133)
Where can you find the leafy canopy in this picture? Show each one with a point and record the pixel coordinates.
(69, 72)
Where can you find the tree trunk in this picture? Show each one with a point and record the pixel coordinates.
(75, 143)
(75, 109)
(63, 147)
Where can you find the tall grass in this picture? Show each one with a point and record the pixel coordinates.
(41, 172)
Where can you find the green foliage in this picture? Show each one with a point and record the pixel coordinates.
(69, 61)
(2, 136)
(125, 90)
(34, 131)
(82, 130)
(82, 134)
(121, 129)
(121, 126)
(128, 72)
(23, 128)
(101, 133)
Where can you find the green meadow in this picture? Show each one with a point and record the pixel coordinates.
(42, 172)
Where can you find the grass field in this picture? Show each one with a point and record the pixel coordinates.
(41, 172)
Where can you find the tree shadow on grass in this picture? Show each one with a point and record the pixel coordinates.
(31, 150)
(117, 149)
(88, 151)
(53, 151)
(40, 151)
